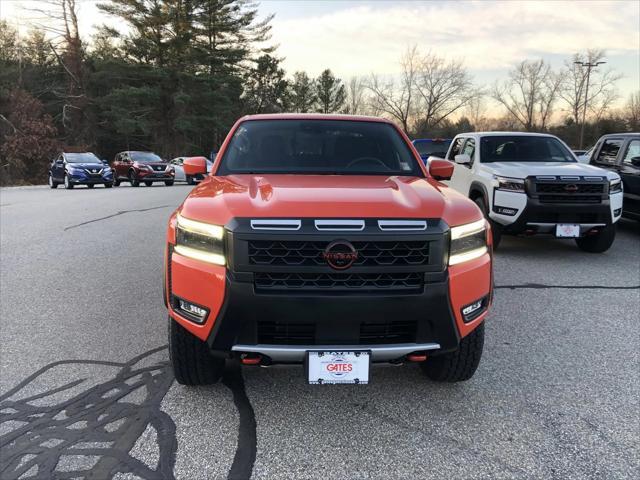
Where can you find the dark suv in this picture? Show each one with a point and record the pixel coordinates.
(84, 168)
(620, 152)
(135, 167)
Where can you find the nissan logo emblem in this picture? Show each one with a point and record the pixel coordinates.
(571, 188)
(340, 254)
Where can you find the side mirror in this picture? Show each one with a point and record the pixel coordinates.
(430, 158)
(441, 169)
(463, 159)
(635, 161)
(195, 166)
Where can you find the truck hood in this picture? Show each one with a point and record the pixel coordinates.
(219, 199)
(525, 169)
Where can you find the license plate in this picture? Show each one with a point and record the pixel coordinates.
(325, 367)
(567, 230)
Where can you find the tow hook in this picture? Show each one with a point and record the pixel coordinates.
(250, 359)
(417, 357)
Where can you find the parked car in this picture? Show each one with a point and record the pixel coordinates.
(620, 153)
(323, 240)
(135, 167)
(70, 169)
(180, 176)
(431, 147)
(531, 183)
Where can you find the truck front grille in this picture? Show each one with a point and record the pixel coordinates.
(405, 282)
(309, 254)
(568, 189)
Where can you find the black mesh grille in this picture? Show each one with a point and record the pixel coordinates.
(570, 199)
(290, 333)
(565, 217)
(305, 254)
(285, 333)
(561, 187)
(390, 332)
(335, 282)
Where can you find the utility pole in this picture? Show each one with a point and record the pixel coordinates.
(588, 66)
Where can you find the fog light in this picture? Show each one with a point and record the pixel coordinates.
(473, 310)
(505, 211)
(193, 312)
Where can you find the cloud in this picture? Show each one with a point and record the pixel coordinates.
(487, 36)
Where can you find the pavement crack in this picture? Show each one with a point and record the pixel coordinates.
(245, 456)
(540, 286)
(121, 212)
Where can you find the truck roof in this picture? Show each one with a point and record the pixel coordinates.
(314, 116)
(624, 134)
(509, 134)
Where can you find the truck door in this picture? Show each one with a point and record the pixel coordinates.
(463, 173)
(630, 173)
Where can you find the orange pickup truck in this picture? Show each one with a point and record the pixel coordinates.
(323, 240)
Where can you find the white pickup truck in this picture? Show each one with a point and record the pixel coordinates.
(530, 183)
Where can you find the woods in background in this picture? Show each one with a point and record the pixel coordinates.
(185, 70)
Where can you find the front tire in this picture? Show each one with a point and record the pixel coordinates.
(190, 180)
(133, 180)
(108, 185)
(67, 183)
(496, 229)
(459, 365)
(116, 181)
(168, 183)
(91, 185)
(192, 362)
(600, 242)
(52, 184)
(148, 184)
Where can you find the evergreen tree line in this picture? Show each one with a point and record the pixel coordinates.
(187, 69)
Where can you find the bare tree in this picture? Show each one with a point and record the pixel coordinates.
(529, 94)
(602, 91)
(60, 18)
(443, 87)
(397, 101)
(632, 112)
(356, 101)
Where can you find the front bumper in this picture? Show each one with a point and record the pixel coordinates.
(145, 176)
(532, 215)
(243, 318)
(84, 180)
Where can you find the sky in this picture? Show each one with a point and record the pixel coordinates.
(356, 38)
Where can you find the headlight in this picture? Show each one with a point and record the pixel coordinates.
(468, 241)
(201, 241)
(615, 186)
(74, 170)
(510, 184)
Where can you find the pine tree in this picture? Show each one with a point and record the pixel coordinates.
(330, 92)
(302, 93)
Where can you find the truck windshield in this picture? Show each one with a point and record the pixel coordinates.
(523, 148)
(145, 157)
(318, 147)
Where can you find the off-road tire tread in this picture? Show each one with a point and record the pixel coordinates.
(460, 365)
(192, 362)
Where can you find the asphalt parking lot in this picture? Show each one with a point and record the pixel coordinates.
(85, 389)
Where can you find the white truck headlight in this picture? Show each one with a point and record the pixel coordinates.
(615, 186)
(200, 241)
(468, 242)
(510, 184)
